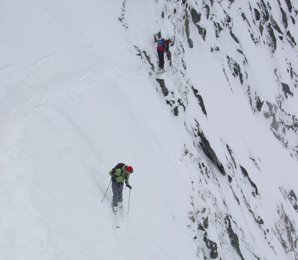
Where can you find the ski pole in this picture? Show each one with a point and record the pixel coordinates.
(128, 203)
(104, 196)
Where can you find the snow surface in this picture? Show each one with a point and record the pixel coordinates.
(75, 100)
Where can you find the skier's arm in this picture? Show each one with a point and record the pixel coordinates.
(127, 184)
(113, 174)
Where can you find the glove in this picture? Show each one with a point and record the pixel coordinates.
(128, 186)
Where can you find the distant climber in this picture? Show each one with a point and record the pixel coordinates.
(119, 174)
(163, 46)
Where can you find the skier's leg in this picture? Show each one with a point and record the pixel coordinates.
(169, 56)
(120, 194)
(161, 59)
(115, 193)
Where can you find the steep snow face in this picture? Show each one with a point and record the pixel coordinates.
(233, 84)
(213, 140)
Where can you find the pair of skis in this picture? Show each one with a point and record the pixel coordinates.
(160, 71)
(119, 212)
(118, 215)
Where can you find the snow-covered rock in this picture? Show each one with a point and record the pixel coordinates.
(213, 139)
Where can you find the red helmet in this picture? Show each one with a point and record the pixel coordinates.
(129, 169)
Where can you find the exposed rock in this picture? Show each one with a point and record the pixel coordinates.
(121, 18)
(186, 25)
(235, 69)
(271, 38)
(289, 5)
(276, 26)
(143, 54)
(257, 14)
(212, 246)
(259, 104)
(284, 18)
(286, 90)
(245, 173)
(234, 37)
(286, 232)
(207, 8)
(200, 99)
(291, 39)
(264, 11)
(230, 179)
(209, 152)
(233, 237)
(202, 31)
(291, 197)
(232, 156)
(163, 87)
(218, 28)
(176, 111)
(196, 18)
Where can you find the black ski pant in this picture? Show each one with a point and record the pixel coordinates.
(117, 189)
(169, 56)
(161, 59)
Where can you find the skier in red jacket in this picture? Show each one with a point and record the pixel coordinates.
(162, 48)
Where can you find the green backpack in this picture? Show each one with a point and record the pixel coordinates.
(120, 178)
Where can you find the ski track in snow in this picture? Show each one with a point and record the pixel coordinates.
(45, 58)
(6, 67)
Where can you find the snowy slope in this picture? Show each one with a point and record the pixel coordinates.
(74, 102)
(213, 140)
